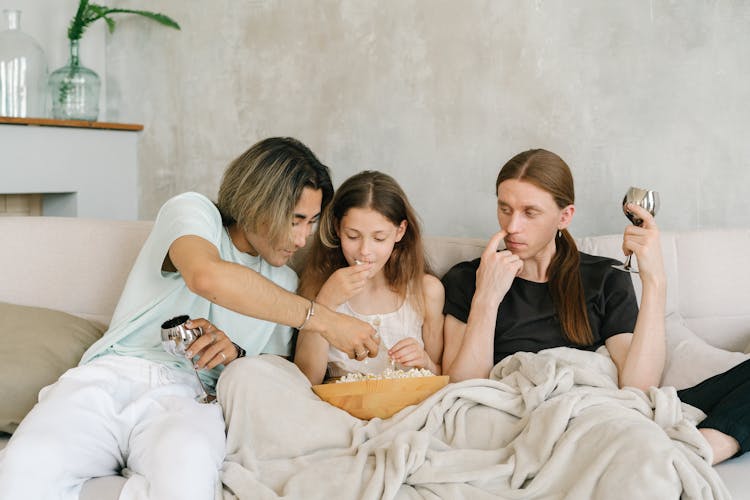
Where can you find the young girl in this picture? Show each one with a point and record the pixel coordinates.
(368, 261)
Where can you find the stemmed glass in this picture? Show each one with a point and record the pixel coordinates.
(645, 198)
(175, 339)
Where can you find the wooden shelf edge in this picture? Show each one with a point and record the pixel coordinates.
(51, 122)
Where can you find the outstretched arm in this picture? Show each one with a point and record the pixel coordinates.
(640, 356)
(244, 291)
(469, 347)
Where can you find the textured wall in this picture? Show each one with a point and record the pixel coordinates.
(441, 93)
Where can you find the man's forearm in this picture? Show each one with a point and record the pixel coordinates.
(475, 359)
(247, 292)
(644, 363)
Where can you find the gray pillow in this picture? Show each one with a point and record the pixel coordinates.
(38, 345)
(690, 359)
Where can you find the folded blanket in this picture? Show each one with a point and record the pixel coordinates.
(550, 425)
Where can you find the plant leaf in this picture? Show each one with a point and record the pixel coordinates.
(77, 24)
(162, 19)
(88, 13)
(110, 23)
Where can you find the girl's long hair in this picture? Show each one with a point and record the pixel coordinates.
(549, 172)
(374, 190)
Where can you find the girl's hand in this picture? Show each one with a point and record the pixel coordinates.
(213, 348)
(343, 284)
(497, 270)
(408, 352)
(645, 242)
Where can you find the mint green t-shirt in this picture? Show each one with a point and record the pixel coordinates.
(152, 296)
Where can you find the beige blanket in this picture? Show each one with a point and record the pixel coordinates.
(548, 426)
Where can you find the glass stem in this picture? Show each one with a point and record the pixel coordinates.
(203, 387)
(627, 261)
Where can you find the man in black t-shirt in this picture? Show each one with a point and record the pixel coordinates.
(541, 292)
(526, 318)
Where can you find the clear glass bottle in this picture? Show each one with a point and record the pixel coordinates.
(23, 71)
(74, 90)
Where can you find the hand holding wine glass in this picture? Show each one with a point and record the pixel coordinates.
(648, 200)
(175, 339)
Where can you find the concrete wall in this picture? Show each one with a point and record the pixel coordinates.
(441, 93)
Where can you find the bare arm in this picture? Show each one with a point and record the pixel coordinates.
(244, 291)
(640, 356)
(453, 335)
(474, 358)
(432, 329)
(311, 356)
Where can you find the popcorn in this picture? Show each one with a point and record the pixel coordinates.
(388, 373)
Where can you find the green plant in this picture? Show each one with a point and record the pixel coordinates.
(72, 83)
(88, 13)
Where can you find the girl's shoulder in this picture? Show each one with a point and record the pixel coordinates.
(432, 288)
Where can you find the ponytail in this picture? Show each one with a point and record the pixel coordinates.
(566, 288)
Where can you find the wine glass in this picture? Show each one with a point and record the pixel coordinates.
(645, 198)
(175, 339)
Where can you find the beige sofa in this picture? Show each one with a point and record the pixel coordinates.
(79, 266)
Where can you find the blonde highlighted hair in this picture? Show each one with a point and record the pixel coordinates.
(406, 267)
(261, 187)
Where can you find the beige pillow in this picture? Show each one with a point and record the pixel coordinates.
(38, 345)
(690, 359)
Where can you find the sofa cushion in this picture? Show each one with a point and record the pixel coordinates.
(690, 359)
(38, 346)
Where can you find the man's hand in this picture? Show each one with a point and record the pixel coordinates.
(213, 348)
(497, 270)
(343, 284)
(644, 242)
(346, 333)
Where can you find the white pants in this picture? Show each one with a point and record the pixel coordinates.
(113, 413)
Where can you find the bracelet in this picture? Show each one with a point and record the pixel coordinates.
(241, 353)
(310, 314)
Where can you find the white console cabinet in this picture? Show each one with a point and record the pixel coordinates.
(80, 169)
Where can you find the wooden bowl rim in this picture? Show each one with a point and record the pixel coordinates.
(334, 389)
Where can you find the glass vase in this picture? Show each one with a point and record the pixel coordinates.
(23, 71)
(74, 90)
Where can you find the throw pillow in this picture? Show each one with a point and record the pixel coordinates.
(690, 359)
(39, 345)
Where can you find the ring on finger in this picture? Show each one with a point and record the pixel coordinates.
(223, 356)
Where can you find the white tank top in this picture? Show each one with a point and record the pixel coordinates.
(392, 327)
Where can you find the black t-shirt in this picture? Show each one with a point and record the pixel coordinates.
(526, 318)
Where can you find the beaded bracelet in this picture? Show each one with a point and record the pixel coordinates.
(310, 314)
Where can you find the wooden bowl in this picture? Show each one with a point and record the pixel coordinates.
(379, 398)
